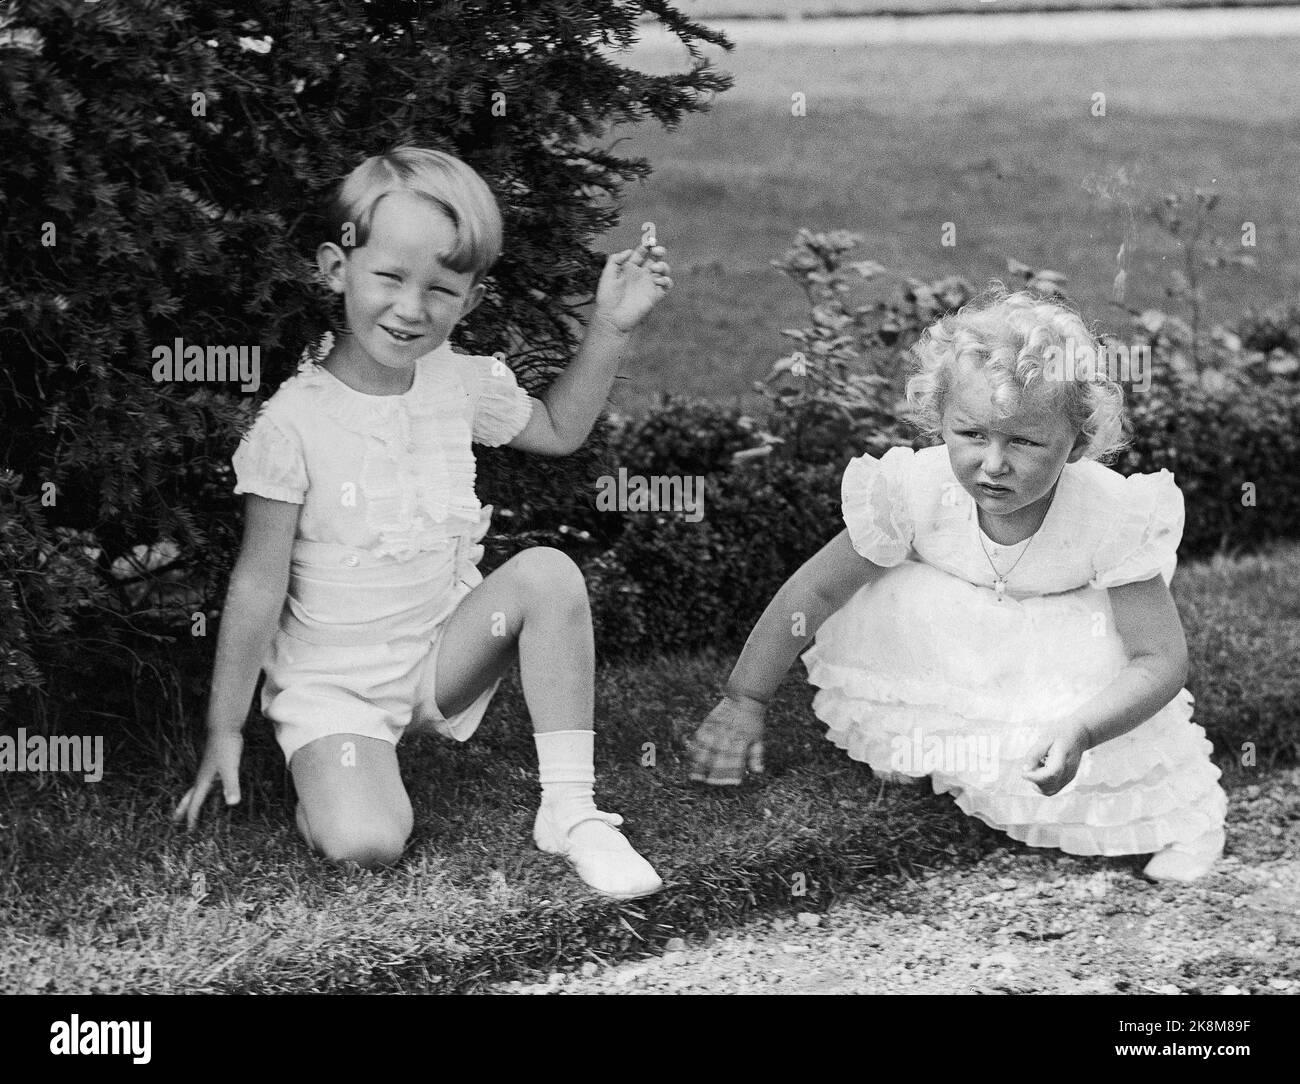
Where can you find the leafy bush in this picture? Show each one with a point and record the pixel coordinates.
(1274, 334)
(165, 164)
(681, 436)
(704, 584)
(1224, 417)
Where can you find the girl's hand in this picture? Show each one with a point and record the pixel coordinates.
(1054, 760)
(220, 761)
(634, 282)
(730, 741)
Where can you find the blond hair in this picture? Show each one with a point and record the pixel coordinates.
(1020, 340)
(447, 182)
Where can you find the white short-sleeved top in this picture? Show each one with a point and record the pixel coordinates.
(392, 475)
(1102, 530)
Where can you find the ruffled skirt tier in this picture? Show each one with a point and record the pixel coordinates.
(925, 674)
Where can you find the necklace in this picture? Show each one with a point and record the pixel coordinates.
(1000, 578)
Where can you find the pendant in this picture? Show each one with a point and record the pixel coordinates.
(999, 588)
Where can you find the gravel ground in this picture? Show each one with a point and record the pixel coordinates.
(1020, 921)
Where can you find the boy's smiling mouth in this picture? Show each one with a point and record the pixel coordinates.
(400, 336)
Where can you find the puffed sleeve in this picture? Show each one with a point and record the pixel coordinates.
(269, 462)
(874, 498)
(1145, 534)
(501, 407)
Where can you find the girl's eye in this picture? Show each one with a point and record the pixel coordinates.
(1026, 440)
(386, 275)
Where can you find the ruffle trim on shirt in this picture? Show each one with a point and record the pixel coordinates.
(368, 415)
(503, 408)
(1145, 540)
(409, 506)
(875, 506)
(269, 464)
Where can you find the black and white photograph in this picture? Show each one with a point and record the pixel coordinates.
(622, 498)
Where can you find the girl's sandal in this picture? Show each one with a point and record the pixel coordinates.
(1185, 862)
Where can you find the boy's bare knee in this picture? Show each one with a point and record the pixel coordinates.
(551, 573)
(370, 844)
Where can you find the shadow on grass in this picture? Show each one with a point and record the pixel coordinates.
(104, 895)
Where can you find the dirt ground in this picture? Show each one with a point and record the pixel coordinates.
(1018, 922)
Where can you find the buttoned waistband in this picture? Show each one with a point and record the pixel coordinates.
(319, 556)
(339, 595)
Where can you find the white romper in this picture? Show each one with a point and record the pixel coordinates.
(387, 540)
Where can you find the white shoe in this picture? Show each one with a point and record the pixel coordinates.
(1185, 862)
(599, 852)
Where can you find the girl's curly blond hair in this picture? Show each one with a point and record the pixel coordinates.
(1022, 340)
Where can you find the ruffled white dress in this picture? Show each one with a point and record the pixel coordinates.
(926, 672)
(387, 540)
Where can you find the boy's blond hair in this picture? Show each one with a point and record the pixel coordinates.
(445, 181)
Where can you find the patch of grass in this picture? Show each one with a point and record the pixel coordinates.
(98, 893)
(1242, 617)
(102, 895)
(997, 139)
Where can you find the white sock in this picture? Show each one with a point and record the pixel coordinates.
(566, 769)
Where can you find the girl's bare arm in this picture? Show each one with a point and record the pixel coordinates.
(731, 738)
(822, 585)
(1147, 621)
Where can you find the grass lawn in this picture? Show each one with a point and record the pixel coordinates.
(996, 139)
(98, 893)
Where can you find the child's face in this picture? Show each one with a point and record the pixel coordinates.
(1007, 464)
(401, 301)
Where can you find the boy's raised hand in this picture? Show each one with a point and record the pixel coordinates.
(729, 741)
(220, 761)
(634, 282)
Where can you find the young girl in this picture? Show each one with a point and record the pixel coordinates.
(996, 615)
(361, 508)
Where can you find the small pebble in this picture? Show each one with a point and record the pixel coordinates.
(1006, 883)
(807, 918)
(1229, 990)
(792, 948)
(1168, 988)
(589, 970)
(675, 944)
